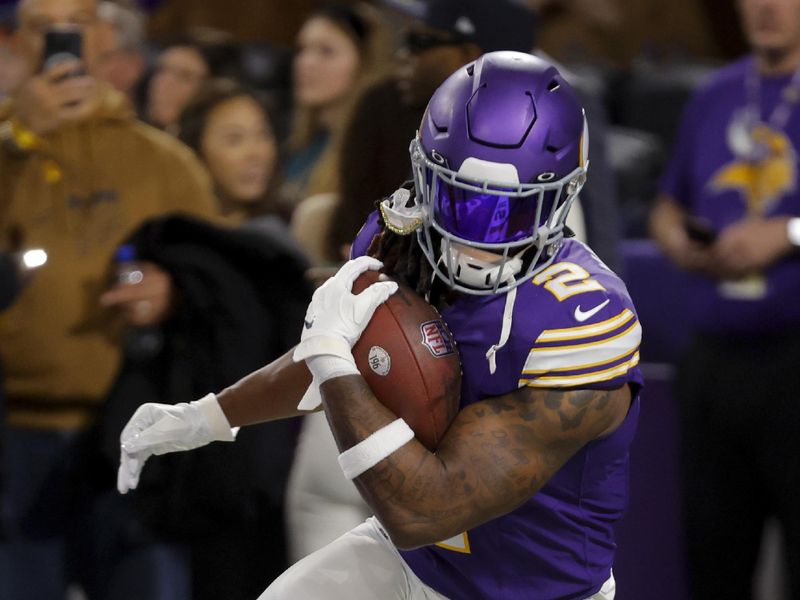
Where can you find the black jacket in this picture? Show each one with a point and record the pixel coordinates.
(242, 299)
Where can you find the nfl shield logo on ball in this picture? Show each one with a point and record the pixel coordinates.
(379, 361)
(436, 338)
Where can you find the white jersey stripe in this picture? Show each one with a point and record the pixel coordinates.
(600, 363)
(563, 358)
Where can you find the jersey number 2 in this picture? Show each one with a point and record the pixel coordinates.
(567, 279)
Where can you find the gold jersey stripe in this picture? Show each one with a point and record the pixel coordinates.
(585, 331)
(573, 380)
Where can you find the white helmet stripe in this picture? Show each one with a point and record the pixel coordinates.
(485, 170)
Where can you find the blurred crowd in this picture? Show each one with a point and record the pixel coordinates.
(172, 187)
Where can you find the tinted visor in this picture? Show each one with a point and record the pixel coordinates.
(485, 218)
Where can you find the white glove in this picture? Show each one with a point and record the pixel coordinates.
(162, 428)
(334, 321)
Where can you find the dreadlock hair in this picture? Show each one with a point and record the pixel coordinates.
(403, 259)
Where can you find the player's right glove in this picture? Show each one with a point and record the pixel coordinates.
(162, 428)
(334, 321)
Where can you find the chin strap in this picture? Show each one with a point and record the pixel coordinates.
(505, 331)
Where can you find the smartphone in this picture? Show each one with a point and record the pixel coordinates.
(700, 231)
(61, 44)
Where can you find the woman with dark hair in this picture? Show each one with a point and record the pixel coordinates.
(230, 129)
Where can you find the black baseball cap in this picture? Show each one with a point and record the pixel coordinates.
(489, 24)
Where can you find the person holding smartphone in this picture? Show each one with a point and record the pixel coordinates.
(729, 212)
(60, 90)
(78, 174)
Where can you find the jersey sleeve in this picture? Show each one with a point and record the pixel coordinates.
(365, 235)
(598, 355)
(586, 340)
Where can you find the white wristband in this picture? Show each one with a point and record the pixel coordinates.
(324, 368)
(373, 449)
(327, 367)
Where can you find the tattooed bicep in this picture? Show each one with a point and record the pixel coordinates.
(553, 415)
(581, 414)
(509, 446)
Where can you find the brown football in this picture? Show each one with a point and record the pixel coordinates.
(410, 361)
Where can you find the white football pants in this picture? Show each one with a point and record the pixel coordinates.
(362, 565)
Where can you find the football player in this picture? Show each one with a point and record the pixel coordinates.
(521, 496)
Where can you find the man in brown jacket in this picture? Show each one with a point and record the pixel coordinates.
(78, 174)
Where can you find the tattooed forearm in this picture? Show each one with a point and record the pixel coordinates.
(496, 454)
(351, 419)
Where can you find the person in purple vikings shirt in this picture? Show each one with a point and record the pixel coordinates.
(728, 213)
(520, 499)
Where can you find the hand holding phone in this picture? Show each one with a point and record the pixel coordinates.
(62, 44)
(61, 92)
(700, 231)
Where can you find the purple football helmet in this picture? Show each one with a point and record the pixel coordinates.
(499, 158)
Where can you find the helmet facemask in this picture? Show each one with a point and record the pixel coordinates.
(483, 208)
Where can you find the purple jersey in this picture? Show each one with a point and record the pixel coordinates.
(712, 183)
(573, 326)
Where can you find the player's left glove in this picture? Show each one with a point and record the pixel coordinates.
(161, 428)
(334, 321)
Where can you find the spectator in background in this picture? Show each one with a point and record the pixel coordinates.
(78, 173)
(341, 49)
(728, 212)
(230, 129)
(182, 66)
(121, 40)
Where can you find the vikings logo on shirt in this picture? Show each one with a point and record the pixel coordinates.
(764, 173)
